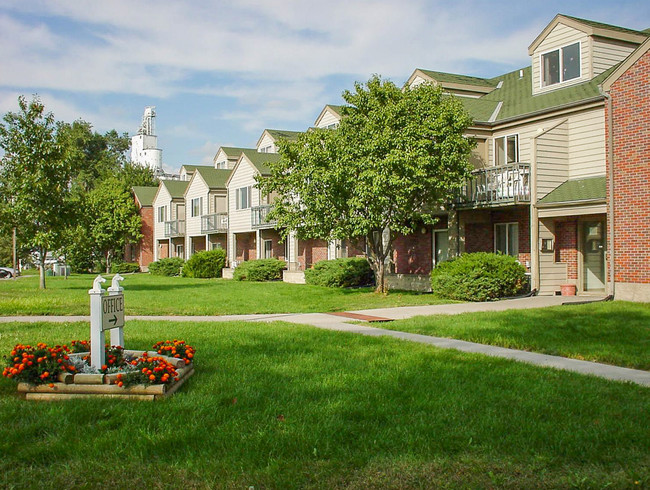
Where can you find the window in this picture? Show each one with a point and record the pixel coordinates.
(179, 250)
(506, 238)
(440, 246)
(162, 214)
(267, 149)
(197, 206)
(222, 164)
(216, 246)
(506, 149)
(561, 65)
(268, 249)
(243, 197)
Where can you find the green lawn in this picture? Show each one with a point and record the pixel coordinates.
(155, 295)
(288, 406)
(614, 332)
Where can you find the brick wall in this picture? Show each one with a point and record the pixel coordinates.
(566, 246)
(163, 249)
(631, 130)
(278, 249)
(219, 238)
(412, 254)
(246, 249)
(310, 252)
(147, 243)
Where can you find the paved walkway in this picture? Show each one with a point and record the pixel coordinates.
(338, 322)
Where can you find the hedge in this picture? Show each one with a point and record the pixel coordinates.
(125, 267)
(167, 267)
(479, 276)
(208, 263)
(340, 273)
(259, 270)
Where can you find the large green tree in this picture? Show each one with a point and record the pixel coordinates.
(397, 155)
(35, 178)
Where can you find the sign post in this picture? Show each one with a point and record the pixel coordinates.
(106, 313)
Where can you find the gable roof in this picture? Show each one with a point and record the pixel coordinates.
(260, 160)
(215, 178)
(176, 188)
(232, 151)
(336, 109)
(145, 194)
(591, 28)
(277, 134)
(619, 70)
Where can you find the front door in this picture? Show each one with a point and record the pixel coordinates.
(440, 246)
(593, 255)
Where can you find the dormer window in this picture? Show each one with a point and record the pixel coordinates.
(561, 65)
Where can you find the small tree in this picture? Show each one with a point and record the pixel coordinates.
(35, 179)
(396, 156)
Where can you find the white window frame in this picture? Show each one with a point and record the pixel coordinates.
(507, 227)
(435, 244)
(162, 213)
(268, 254)
(198, 201)
(180, 250)
(561, 67)
(505, 138)
(238, 198)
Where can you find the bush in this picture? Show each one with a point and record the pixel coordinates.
(340, 273)
(167, 267)
(479, 277)
(125, 267)
(208, 263)
(260, 270)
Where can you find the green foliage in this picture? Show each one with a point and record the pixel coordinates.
(167, 267)
(396, 155)
(260, 270)
(205, 264)
(340, 273)
(479, 276)
(125, 267)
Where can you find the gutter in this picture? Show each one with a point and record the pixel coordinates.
(610, 157)
(583, 202)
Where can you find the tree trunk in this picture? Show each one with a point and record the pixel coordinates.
(41, 272)
(380, 277)
(108, 262)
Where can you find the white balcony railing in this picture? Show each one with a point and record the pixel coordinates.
(217, 222)
(174, 228)
(259, 217)
(495, 186)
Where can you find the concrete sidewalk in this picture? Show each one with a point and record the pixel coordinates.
(338, 323)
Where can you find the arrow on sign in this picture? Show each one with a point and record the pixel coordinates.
(113, 320)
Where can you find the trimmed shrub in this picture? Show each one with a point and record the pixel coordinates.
(205, 264)
(260, 270)
(340, 273)
(167, 267)
(479, 276)
(125, 268)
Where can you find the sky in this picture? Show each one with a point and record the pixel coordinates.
(220, 72)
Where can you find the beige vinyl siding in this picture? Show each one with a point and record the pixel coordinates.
(240, 219)
(267, 140)
(559, 37)
(327, 119)
(196, 190)
(552, 159)
(587, 144)
(418, 80)
(218, 202)
(607, 53)
(162, 199)
(552, 274)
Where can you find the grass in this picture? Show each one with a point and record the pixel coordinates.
(286, 406)
(155, 295)
(613, 333)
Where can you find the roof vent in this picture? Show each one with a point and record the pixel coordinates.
(500, 84)
(521, 73)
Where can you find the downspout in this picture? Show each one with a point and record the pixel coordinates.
(610, 157)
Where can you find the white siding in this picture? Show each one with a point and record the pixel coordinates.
(329, 117)
(552, 274)
(552, 159)
(607, 53)
(587, 144)
(560, 36)
(267, 141)
(162, 199)
(197, 189)
(418, 80)
(240, 219)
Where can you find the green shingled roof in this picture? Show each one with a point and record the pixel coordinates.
(336, 108)
(600, 25)
(215, 178)
(284, 134)
(176, 188)
(145, 195)
(232, 151)
(576, 190)
(459, 79)
(261, 160)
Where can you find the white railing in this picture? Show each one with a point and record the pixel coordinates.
(174, 228)
(214, 222)
(259, 217)
(505, 184)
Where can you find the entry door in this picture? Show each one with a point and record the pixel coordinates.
(593, 255)
(440, 246)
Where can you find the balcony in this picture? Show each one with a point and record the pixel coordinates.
(174, 228)
(214, 223)
(496, 186)
(259, 217)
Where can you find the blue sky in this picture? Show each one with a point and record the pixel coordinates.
(220, 72)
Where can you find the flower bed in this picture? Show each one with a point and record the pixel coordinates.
(45, 373)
